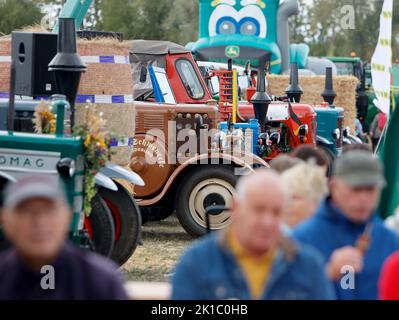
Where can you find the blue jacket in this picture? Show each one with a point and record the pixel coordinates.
(209, 271)
(329, 230)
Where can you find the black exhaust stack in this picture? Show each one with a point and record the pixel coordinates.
(67, 64)
(329, 94)
(261, 99)
(294, 91)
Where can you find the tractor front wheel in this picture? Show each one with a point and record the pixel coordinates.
(100, 227)
(204, 187)
(127, 219)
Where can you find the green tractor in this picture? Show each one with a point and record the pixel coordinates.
(113, 227)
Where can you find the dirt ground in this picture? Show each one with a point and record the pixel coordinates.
(163, 244)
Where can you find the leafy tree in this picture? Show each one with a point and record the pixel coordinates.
(18, 14)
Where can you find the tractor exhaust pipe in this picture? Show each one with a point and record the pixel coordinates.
(294, 91)
(67, 64)
(329, 94)
(261, 99)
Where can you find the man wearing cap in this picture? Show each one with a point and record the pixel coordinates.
(41, 264)
(347, 230)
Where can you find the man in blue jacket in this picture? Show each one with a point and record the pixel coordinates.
(251, 259)
(346, 229)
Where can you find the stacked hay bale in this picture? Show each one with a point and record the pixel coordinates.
(5, 54)
(109, 85)
(313, 86)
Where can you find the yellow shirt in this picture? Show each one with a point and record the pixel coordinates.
(256, 271)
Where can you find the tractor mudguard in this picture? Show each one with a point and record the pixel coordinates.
(7, 177)
(197, 160)
(322, 140)
(103, 181)
(117, 172)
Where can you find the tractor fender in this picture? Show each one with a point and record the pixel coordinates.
(229, 159)
(323, 141)
(7, 177)
(103, 181)
(245, 161)
(117, 172)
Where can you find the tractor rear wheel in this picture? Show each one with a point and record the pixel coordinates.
(127, 219)
(204, 187)
(100, 227)
(161, 211)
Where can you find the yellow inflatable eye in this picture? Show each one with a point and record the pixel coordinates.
(228, 2)
(261, 4)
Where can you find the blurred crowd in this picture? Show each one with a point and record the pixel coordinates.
(305, 229)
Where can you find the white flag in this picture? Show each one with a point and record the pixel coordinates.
(381, 62)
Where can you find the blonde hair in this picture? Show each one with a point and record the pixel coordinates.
(306, 179)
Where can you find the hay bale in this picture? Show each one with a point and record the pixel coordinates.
(109, 79)
(120, 121)
(313, 86)
(5, 51)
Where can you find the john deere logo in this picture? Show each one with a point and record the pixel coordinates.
(232, 51)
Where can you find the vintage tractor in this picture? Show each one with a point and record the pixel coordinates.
(176, 132)
(113, 227)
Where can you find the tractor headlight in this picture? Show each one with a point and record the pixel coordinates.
(66, 167)
(337, 134)
(303, 130)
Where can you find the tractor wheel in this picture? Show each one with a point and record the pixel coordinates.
(127, 219)
(100, 227)
(204, 187)
(159, 212)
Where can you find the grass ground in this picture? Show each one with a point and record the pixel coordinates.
(163, 243)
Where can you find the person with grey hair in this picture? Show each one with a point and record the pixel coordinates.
(41, 264)
(308, 186)
(251, 259)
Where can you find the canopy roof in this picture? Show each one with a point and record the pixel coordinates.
(155, 47)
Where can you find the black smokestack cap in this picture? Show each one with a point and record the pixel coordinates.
(67, 64)
(261, 99)
(329, 94)
(294, 91)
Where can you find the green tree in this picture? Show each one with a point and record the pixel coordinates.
(18, 14)
(181, 25)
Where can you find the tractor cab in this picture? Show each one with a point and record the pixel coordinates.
(182, 72)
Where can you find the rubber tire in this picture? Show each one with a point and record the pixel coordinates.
(161, 211)
(103, 227)
(188, 184)
(130, 222)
